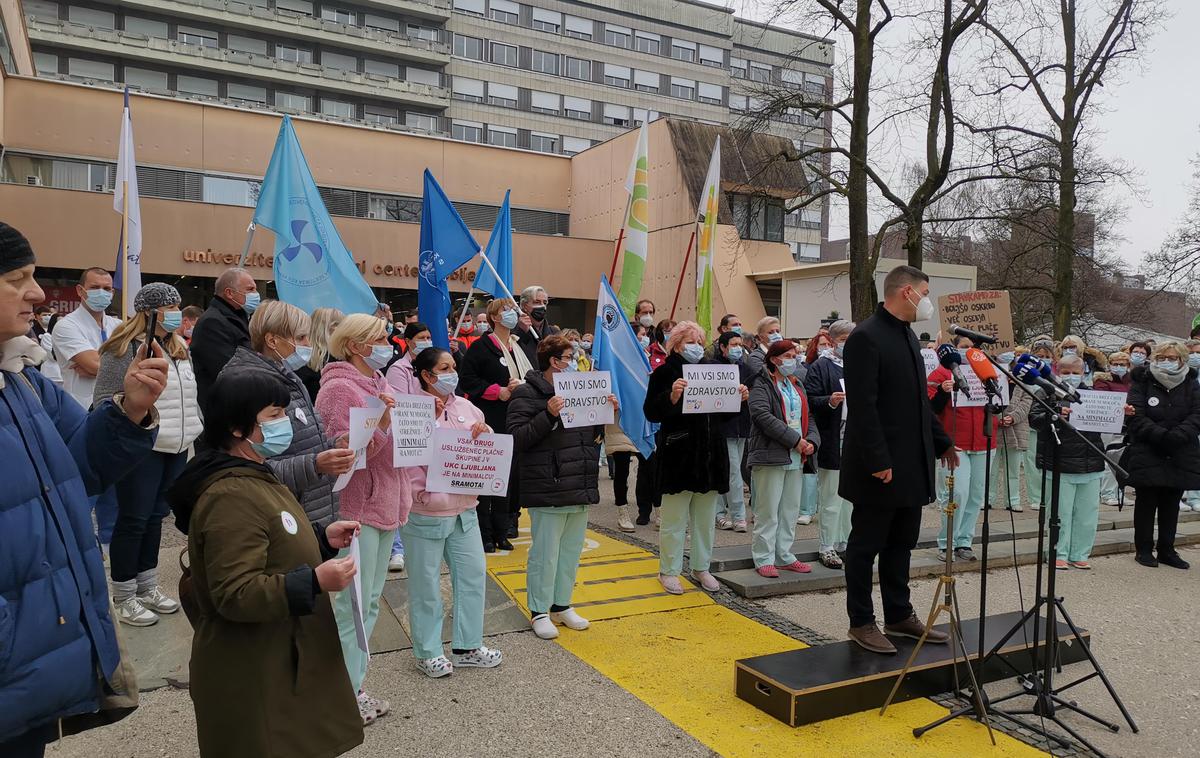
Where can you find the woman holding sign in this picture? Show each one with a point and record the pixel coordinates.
(692, 461)
(559, 472)
(444, 525)
(783, 444)
(377, 495)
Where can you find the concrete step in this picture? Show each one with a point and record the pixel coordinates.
(1005, 553)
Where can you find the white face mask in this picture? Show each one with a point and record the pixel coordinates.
(924, 308)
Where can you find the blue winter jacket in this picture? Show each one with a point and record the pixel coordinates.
(55, 630)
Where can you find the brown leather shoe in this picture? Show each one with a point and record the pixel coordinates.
(912, 627)
(870, 638)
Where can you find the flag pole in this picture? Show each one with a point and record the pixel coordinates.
(246, 248)
(126, 297)
(620, 238)
(499, 281)
(683, 273)
(466, 305)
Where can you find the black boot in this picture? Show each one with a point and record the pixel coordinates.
(1146, 560)
(1173, 560)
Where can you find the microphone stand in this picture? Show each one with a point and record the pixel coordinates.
(1048, 699)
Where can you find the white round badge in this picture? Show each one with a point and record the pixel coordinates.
(1152, 402)
(503, 362)
(289, 522)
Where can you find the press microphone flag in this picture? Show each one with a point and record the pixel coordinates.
(1030, 370)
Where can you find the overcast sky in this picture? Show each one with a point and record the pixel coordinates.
(1152, 121)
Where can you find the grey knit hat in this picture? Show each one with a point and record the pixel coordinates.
(15, 251)
(155, 295)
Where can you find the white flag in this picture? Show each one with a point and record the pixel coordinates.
(125, 195)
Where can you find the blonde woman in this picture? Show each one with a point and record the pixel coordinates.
(141, 494)
(582, 361)
(378, 496)
(321, 325)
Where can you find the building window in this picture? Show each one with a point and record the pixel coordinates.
(221, 190)
(616, 37)
(757, 217)
(504, 55)
(470, 90)
(383, 23)
(504, 11)
(737, 68)
(423, 32)
(503, 16)
(45, 63)
(616, 76)
(298, 7)
(579, 28)
(575, 145)
(760, 73)
(196, 85)
(646, 44)
(246, 93)
(395, 209)
(709, 93)
(422, 121)
(377, 114)
(44, 9)
(578, 68)
(292, 101)
(85, 69)
(425, 76)
(502, 137)
(543, 143)
(339, 61)
(503, 95)
(616, 115)
(144, 26)
(646, 81)
(544, 102)
(469, 6)
(245, 44)
(337, 108)
(467, 132)
(682, 52)
(192, 36)
(712, 56)
(145, 78)
(468, 47)
(577, 108)
(382, 68)
(683, 88)
(339, 16)
(293, 54)
(97, 19)
(547, 63)
(544, 26)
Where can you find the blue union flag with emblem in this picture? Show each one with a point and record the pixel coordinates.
(446, 245)
(313, 268)
(616, 349)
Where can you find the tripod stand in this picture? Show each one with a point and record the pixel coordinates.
(1048, 699)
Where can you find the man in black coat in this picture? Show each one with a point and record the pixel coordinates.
(223, 328)
(891, 440)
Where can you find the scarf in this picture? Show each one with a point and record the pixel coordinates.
(1169, 379)
(518, 362)
(18, 353)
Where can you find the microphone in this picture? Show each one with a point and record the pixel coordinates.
(949, 358)
(976, 337)
(1030, 370)
(983, 369)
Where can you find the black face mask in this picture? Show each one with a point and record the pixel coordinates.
(538, 313)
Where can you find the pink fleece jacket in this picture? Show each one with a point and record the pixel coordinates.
(378, 495)
(460, 413)
(400, 376)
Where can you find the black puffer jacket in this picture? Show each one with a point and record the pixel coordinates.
(739, 425)
(825, 378)
(1162, 432)
(690, 455)
(1074, 455)
(555, 465)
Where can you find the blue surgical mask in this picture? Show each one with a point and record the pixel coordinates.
(277, 437)
(774, 337)
(837, 349)
(420, 345)
(693, 352)
(585, 345)
(575, 344)
(645, 341)
(251, 304)
(1069, 351)
(572, 365)
(482, 328)
(1194, 360)
(666, 336)
(297, 359)
(736, 353)
(737, 330)
(1072, 380)
(508, 318)
(98, 300)
(1137, 359)
(172, 320)
(962, 353)
(825, 352)
(1119, 371)
(379, 357)
(1168, 366)
(1006, 358)
(788, 367)
(446, 384)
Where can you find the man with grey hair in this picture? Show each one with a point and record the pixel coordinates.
(533, 325)
(223, 328)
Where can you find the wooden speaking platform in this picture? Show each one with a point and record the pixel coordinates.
(826, 681)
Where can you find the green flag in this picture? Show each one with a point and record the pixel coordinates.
(637, 226)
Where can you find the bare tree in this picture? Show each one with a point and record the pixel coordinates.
(1176, 264)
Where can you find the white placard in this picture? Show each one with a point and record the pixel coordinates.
(356, 603)
(470, 466)
(711, 388)
(931, 360)
(845, 400)
(413, 420)
(586, 395)
(363, 422)
(976, 396)
(1099, 412)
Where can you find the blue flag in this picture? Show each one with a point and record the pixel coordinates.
(313, 268)
(617, 350)
(499, 253)
(446, 245)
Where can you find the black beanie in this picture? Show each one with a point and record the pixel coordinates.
(15, 251)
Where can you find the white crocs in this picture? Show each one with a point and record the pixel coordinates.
(570, 619)
(435, 668)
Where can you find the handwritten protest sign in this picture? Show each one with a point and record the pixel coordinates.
(976, 396)
(1099, 412)
(711, 388)
(470, 466)
(412, 430)
(931, 360)
(985, 311)
(362, 425)
(586, 398)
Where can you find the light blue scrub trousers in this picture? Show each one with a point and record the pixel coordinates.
(699, 509)
(810, 501)
(558, 534)
(732, 505)
(375, 548)
(968, 493)
(1079, 511)
(455, 539)
(1006, 486)
(834, 520)
(777, 491)
(1033, 474)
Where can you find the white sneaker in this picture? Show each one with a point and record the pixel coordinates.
(804, 519)
(133, 613)
(570, 619)
(544, 627)
(156, 600)
(435, 668)
(396, 563)
(623, 522)
(480, 658)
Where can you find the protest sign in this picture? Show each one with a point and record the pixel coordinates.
(470, 466)
(976, 396)
(363, 422)
(586, 398)
(711, 388)
(412, 430)
(356, 603)
(985, 311)
(1099, 412)
(845, 400)
(931, 360)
